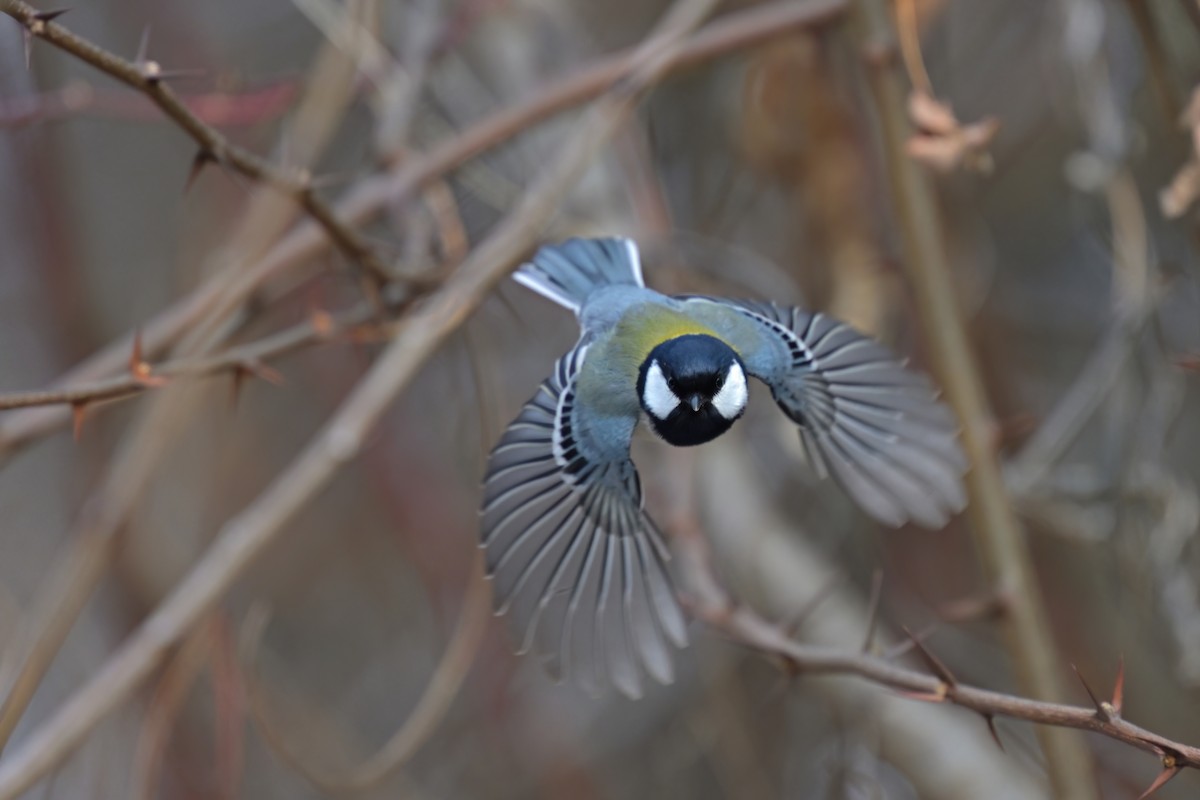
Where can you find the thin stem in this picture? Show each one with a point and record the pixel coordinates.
(745, 626)
(362, 203)
(247, 535)
(247, 358)
(998, 535)
(150, 79)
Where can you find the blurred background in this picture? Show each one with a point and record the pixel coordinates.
(1072, 239)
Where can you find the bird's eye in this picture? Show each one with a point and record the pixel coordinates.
(720, 381)
(671, 384)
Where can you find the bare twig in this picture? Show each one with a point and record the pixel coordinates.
(150, 79)
(250, 106)
(711, 602)
(96, 533)
(1161, 71)
(247, 535)
(172, 690)
(430, 708)
(247, 359)
(908, 30)
(758, 549)
(729, 34)
(73, 580)
(1133, 299)
(742, 624)
(999, 537)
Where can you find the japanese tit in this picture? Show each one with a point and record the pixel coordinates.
(577, 564)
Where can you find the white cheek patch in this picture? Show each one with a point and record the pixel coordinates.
(731, 400)
(657, 395)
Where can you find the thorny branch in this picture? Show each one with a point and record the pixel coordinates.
(247, 359)
(405, 177)
(448, 308)
(710, 602)
(999, 537)
(442, 688)
(149, 78)
(84, 567)
(97, 531)
(243, 538)
(249, 106)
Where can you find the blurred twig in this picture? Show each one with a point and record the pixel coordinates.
(998, 534)
(172, 691)
(1183, 190)
(247, 535)
(1133, 301)
(249, 106)
(430, 708)
(908, 30)
(96, 533)
(370, 196)
(149, 78)
(74, 578)
(1161, 74)
(725, 519)
(711, 602)
(247, 359)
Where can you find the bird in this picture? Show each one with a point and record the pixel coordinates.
(576, 563)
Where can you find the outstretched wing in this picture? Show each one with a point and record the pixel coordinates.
(577, 565)
(864, 417)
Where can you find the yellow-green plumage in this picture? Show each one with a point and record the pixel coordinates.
(608, 378)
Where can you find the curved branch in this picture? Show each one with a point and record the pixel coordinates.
(248, 358)
(1000, 540)
(712, 603)
(421, 723)
(730, 33)
(245, 537)
(150, 79)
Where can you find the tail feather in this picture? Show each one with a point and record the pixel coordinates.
(568, 272)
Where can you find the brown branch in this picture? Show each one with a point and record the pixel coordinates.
(250, 106)
(246, 536)
(430, 709)
(758, 545)
(711, 603)
(180, 675)
(150, 79)
(999, 538)
(95, 537)
(247, 358)
(728, 34)
(72, 584)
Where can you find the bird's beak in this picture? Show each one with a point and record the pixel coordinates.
(696, 401)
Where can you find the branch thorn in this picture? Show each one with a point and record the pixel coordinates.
(139, 368)
(990, 719)
(936, 696)
(1170, 770)
(36, 26)
(49, 15)
(1118, 695)
(202, 158)
(322, 322)
(143, 47)
(258, 369)
(78, 411)
(1104, 711)
(933, 662)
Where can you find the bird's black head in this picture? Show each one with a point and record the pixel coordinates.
(692, 388)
